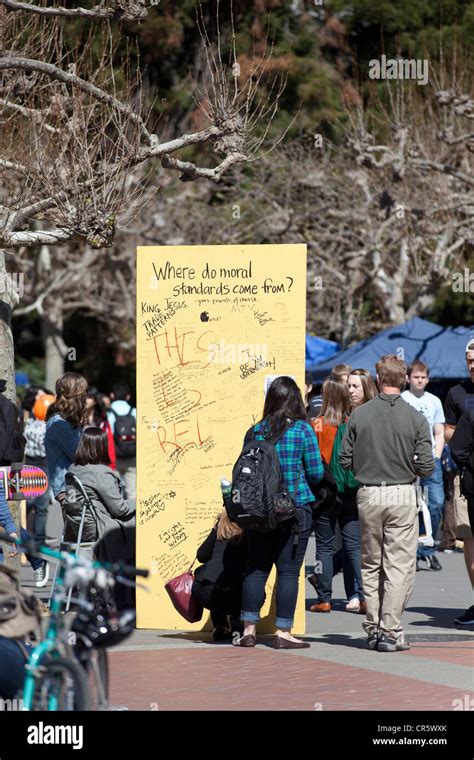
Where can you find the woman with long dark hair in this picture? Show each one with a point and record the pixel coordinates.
(283, 423)
(64, 422)
(115, 527)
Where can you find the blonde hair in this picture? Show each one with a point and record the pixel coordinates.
(227, 530)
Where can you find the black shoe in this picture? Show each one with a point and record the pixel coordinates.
(467, 618)
(246, 641)
(372, 640)
(417, 565)
(221, 634)
(237, 625)
(387, 644)
(433, 562)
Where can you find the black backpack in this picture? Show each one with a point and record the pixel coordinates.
(259, 499)
(125, 434)
(12, 442)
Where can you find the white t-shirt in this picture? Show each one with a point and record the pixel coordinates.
(429, 405)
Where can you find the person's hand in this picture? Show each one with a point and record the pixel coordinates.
(12, 551)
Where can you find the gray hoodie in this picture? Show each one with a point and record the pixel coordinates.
(387, 441)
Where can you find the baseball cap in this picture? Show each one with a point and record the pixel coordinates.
(470, 345)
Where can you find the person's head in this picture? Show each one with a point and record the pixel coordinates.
(336, 401)
(341, 371)
(283, 401)
(104, 399)
(70, 404)
(32, 393)
(95, 406)
(391, 372)
(361, 387)
(93, 447)
(308, 381)
(470, 358)
(418, 376)
(91, 398)
(120, 392)
(227, 530)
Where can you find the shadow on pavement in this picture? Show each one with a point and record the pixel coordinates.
(439, 618)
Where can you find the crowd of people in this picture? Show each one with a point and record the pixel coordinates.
(91, 435)
(382, 450)
(357, 458)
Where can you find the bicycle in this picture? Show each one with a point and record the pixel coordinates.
(68, 668)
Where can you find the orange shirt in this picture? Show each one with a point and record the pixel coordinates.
(326, 435)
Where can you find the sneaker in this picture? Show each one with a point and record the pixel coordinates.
(372, 640)
(42, 575)
(388, 644)
(353, 605)
(467, 618)
(448, 550)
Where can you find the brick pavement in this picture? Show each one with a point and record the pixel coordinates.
(225, 677)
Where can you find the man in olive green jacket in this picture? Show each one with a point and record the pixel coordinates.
(387, 444)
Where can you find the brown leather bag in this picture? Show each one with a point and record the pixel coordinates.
(19, 610)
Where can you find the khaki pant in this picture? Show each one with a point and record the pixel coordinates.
(463, 527)
(388, 517)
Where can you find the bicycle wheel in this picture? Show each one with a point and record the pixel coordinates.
(61, 685)
(97, 668)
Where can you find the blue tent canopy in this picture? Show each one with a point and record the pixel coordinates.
(21, 378)
(317, 350)
(441, 348)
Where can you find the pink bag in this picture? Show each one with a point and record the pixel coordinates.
(180, 592)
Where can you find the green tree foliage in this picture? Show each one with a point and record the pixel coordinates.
(408, 27)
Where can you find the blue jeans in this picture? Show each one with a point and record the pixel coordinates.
(12, 668)
(35, 562)
(324, 531)
(40, 504)
(276, 548)
(435, 487)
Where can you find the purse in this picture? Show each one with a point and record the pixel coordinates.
(181, 595)
(19, 610)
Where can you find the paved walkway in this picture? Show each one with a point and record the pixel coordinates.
(171, 670)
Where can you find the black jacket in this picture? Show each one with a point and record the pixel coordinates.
(224, 562)
(12, 442)
(462, 449)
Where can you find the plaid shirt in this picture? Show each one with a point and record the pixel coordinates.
(298, 447)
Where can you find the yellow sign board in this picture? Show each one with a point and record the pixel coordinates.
(215, 325)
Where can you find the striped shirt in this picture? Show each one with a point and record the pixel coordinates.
(299, 446)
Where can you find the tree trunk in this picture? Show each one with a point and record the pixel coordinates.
(55, 349)
(9, 297)
(8, 300)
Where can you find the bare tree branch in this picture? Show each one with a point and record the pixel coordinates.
(110, 9)
(9, 61)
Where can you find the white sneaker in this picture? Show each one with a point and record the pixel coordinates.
(42, 575)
